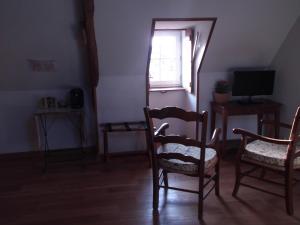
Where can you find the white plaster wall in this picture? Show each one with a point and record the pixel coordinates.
(42, 30)
(207, 82)
(191, 98)
(170, 98)
(287, 81)
(18, 130)
(121, 98)
(206, 88)
(247, 34)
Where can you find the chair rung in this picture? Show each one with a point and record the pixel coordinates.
(209, 180)
(179, 189)
(246, 173)
(262, 190)
(189, 191)
(204, 197)
(265, 180)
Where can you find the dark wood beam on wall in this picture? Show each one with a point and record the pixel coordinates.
(92, 54)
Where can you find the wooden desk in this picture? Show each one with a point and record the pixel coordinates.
(237, 109)
(42, 118)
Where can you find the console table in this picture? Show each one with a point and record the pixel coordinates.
(42, 120)
(234, 108)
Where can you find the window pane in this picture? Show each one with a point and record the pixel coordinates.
(165, 65)
(155, 70)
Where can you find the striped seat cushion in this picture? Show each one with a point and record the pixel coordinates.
(178, 166)
(268, 154)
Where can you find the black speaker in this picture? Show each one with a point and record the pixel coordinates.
(76, 98)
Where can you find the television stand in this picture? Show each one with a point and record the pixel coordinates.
(235, 109)
(250, 101)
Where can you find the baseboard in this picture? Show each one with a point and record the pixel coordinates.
(127, 153)
(90, 150)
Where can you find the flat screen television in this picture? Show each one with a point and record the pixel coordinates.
(253, 83)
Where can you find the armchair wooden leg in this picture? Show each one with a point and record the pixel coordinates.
(217, 179)
(165, 176)
(155, 189)
(237, 178)
(200, 207)
(289, 192)
(148, 150)
(200, 197)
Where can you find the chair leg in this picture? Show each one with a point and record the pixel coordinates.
(148, 150)
(217, 179)
(150, 159)
(165, 177)
(155, 188)
(237, 178)
(289, 192)
(200, 197)
(200, 208)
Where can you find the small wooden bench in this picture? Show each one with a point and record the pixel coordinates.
(122, 127)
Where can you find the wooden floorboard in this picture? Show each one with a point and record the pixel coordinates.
(120, 192)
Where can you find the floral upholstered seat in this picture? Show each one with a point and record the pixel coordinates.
(178, 166)
(280, 155)
(268, 154)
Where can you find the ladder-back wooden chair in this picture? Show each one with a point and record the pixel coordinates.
(178, 154)
(267, 153)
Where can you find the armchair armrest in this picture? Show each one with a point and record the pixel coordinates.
(214, 142)
(162, 129)
(245, 133)
(215, 138)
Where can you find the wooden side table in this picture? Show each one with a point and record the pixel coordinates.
(234, 108)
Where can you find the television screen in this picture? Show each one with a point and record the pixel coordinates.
(251, 83)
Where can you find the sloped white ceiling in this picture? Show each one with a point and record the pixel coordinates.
(247, 33)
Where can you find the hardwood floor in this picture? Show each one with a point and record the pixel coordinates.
(120, 192)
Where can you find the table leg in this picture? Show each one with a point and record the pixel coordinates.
(277, 123)
(43, 121)
(105, 145)
(212, 122)
(82, 139)
(148, 148)
(224, 132)
(259, 123)
(38, 132)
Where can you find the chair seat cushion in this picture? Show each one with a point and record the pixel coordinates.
(268, 154)
(179, 166)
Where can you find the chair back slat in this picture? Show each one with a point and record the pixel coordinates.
(179, 157)
(175, 112)
(177, 139)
